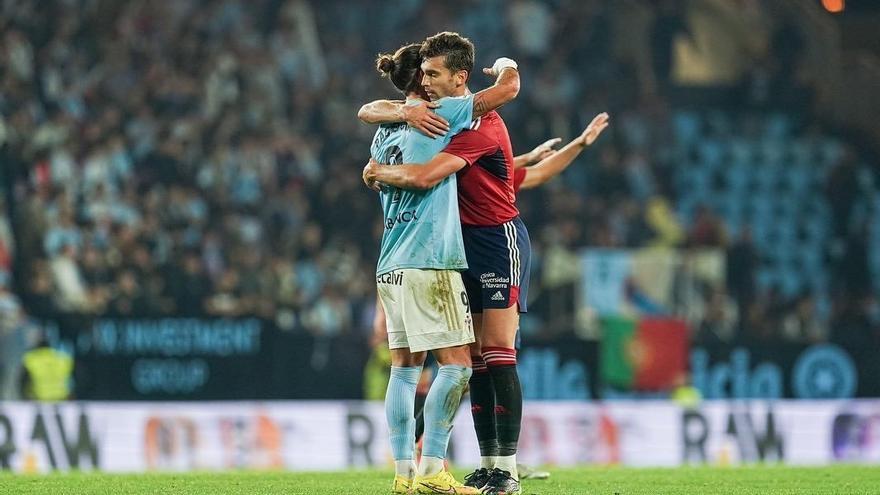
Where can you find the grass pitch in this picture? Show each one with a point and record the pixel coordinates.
(837, 480)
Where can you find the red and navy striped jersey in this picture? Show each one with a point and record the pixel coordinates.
(485, 186)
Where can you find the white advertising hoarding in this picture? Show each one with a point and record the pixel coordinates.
(144, 436)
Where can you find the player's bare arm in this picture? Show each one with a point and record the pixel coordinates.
(419, 117)
(554, 165)
(542, 151)
(504, 90)
(413, 176)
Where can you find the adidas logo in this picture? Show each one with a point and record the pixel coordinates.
(498, 296)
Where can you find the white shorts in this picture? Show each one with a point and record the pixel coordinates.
(425, 309)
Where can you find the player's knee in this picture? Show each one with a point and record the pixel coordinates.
(502, 337)
(499, 328)
(459, 356)
(402, 357)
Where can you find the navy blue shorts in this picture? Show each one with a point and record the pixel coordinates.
(499, 259)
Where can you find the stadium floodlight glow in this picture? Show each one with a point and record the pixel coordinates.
(834, 6)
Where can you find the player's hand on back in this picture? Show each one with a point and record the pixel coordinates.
(421, 118)
(368, 175)
(591, 133)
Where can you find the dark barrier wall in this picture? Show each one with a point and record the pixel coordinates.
(197, 359)
(208, 359)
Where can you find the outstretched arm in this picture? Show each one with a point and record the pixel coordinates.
(542, 151)
(413, 176)
(555, 164)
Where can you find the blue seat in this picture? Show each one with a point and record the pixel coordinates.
(709, 153)
(694, 180)
(777, 125)
(791, 281)
(737, 177)
(767, 177)
(741, 151)
(788, 209)
(685, 208)
(829, 151)
(762, 234)
(810, 255)
(797, 179)
(761, 208)
(730, 206)
(800, 152)
(686, 126)
(815, 230)
(780, 252)
(772, 150)
(765, 279)
(787, 233)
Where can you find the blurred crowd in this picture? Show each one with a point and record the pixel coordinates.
(203, 157)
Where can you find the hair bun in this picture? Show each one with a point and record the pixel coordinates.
(385, 63)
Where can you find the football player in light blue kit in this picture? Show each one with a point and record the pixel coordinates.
(417, 278)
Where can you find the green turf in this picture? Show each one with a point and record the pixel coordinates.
(599, 481)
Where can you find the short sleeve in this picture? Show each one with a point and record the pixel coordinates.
(470, 146)
(458, 111)
(519, 175)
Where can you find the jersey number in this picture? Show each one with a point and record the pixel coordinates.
(394, 156)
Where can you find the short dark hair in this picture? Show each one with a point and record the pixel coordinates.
(459, 51)
(402, 68)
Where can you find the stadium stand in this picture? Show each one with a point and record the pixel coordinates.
(203, 158)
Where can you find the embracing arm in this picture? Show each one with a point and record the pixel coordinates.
(382, 112)
(414, 176)
(419, 117)
(554, 165)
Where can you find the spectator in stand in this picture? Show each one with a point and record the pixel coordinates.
(742, 261)
(841, 189)
(72, 293)
(188, 286)
(707, 230)
(719, 324)
(804, 325)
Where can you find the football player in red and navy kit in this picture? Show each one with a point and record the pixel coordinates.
(497, 249)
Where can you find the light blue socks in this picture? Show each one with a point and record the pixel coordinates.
(400, 401)
(440, 408)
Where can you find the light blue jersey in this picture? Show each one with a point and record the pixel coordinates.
(422, 228)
